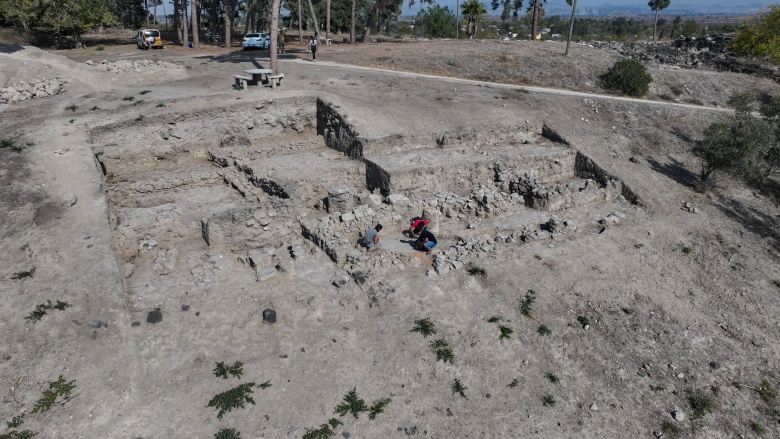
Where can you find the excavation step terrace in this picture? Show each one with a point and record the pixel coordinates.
(424, 172)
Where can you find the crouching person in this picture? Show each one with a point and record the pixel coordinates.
(371, 239)
(426, 241)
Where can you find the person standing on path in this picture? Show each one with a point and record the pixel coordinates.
(280, 41)
(313, 47)
(371, 240)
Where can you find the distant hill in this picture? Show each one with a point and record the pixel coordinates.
(608, 9)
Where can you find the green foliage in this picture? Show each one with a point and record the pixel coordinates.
(525, 91)
(544, 330)
(757, 428)
(548, 400)
(143, 92)
(13, 434)
(760, 36)
(352, 404)
(553, 378)
(477, 271)
(513, 384)
(73, 17)
(264, 385)
(15, 147)
(443, 351)
(378, 407)
(232, 399)
(94, 108)
(686, 249)
(100, 48)
(472, 10)
(335, 422)
(227, 433)
(424, 326)
(23, 274)
(72, 107)
(71, 121)
(767, 391)
(43, 308)
(584, 321)
(16, 421)
(436, 22)
(494, 319)
(324, 432)
(528, 301)
(506, 332)
(629, 77)
(222, 371)
(459, 388)
(57, 389)
(689, 28)
(128, 98)
(160, 105)
(701, 405)
(737, 385)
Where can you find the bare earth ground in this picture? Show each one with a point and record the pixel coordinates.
(663, 323)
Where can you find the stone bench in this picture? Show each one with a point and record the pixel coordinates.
(273, 79)
(243, 81)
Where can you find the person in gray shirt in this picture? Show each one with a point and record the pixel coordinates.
(371, 239)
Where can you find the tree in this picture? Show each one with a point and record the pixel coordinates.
(628, 76)
(72, 17)
(228, 23)
(436, 22)
(195, 25)
(657, 5)
(277, 4)
(735, 143)
(761, 36)
(473, 10)
(689, 28)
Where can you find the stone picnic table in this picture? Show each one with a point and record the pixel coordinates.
(259, 76)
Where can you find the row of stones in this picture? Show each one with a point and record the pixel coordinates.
(35, 88)
(195, 178)
(125, 66)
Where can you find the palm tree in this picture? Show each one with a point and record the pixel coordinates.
(473, 10)
(657, 5)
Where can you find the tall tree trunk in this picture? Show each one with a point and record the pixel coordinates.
(248, 17)
(146, 8)
(177, 18)
(314, 19)
(535, 20)
(213, 14)
(571, 26)
(327, 19)
(185, 37)
(195, 24)
(655, 23)
(352, 28)
(300, 25)
(165, 14)
(276, 5)
(155, 12)
(228, 22)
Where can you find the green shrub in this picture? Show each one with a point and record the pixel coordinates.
(443, 351)
(424, 326)
(232, 399)
(59, 388)
(222, 371)
(227, 433)
(378, 407)
(352, 404)
(629, 77)
(13, 434)
(459, 388)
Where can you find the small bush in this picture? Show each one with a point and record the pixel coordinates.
(629, 77)
(160, 105)
(506, 332)
(94, 108)
(16, 421)
(767, 391)
(544, 330)
(494, 319)
(686, 249)
(477, 271)
(222, 371)
(72, 107)
(352, 404)
(43, 308)
(443, 351)
(757, 428)
(669, 428)
(139, 118)
(701, 405)
(143, 92)
(11, 144)
(378, 407)
(23, 274)
(57, 389)
(553, 378)
(100, 48)
(232, 399)
(324, 432)
(13, 434)
(424, 326)
(128, 98)
(528, 301)
(548, 400)
(459, 388)
(227, 433)
(584, 321)
(513, 384)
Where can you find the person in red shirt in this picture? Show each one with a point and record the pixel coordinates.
(417, 223)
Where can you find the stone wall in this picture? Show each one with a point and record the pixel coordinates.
(338, 134)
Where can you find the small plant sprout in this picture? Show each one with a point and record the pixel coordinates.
(100, 48)
(16, 421)
(544, 330)
(521, 90)
(757, 428)
(767, 391)
(459, 388)
(12, 145)
(43, 308)
(553, 378)
(378, 407)
(494, 319)
(227, 433)
(57, 389)
(352, 404)
(23, 274)
(526, 303)
(477, 271)
(128, 98)
(701, 405)
(737, 385)
(538, 257)
(506, 332)
(72, 107)
(335, 422)
(513, 384)
(424, 326)
(222, 371)
(324, 432)
(94, 108)
(443, 351)
(638, 246)
(686, 249)
(670, 428)
(160, 105)
(13, 434)
(234, 398)
(584, 321)
(548, 400)
(143, 92)
(139, 118)
(264, 385)
(71, 121)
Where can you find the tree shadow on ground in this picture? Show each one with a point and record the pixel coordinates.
(675, 170)
(753, 220)
(11, 48)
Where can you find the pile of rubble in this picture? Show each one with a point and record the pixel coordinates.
(126, 66)
(34, 88)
